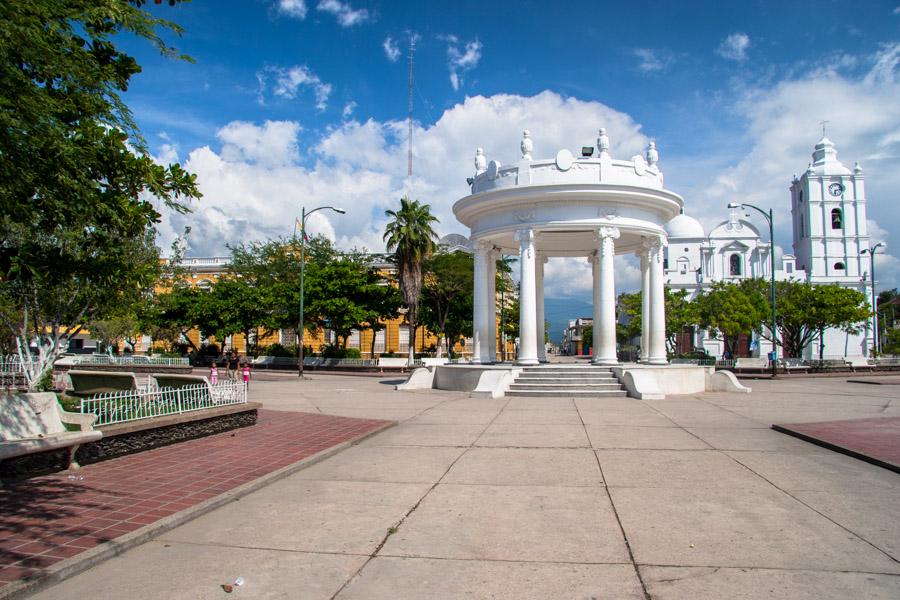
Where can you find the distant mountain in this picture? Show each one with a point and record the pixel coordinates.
(558, 311)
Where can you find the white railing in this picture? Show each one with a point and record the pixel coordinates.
(131, 405)
(12, 372)
(105, 359)
(11, 363)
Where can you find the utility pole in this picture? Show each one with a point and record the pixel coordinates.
(412, 51)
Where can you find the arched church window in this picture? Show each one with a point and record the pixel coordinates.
(838, 266)
(837, 219)
(683, 265)
(734, 264)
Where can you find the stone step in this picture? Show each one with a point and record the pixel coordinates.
(565, 386)
(549, 377)
(567, 394)
(584, 371)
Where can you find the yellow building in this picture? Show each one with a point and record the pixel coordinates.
(202, 272)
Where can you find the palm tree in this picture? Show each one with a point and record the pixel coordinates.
(412, 240)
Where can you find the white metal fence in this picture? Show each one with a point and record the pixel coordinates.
(130, 360)
(118, 407)
(12, 372)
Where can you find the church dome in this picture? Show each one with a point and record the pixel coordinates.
(684, 226)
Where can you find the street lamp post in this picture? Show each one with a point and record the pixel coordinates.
(301, 328)
(769, 217)
(871, 253)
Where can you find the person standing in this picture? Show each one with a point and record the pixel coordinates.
(214, 374)
(232, 365)
(246, 373)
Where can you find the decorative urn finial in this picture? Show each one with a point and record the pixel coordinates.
(602, 141)
(857, 168)
(652, 154)
(809, 170)
(527, 145)
(480, 161)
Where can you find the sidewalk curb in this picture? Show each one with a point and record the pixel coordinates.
(82, 562)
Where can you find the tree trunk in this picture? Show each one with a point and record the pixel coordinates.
(372, 352)
(439, 350)
(821, 344)
(412, 343)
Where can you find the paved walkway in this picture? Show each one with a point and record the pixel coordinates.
(686, 498)
(45, 520)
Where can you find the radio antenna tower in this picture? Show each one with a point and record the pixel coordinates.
(412, 50)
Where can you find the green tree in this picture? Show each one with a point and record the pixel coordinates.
(835, 306)
(233, 305)
(111, 330)
(730, 310)
(680, 314)
(447, 292)
(628, 306)
(76, 184)
(341, 295)
(506, 295)
(410, 237)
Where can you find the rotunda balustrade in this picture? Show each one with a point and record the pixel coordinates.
(594, 206)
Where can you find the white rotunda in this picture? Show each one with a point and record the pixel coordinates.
(589, 205)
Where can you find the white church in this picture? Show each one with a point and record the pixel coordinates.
(828, 210)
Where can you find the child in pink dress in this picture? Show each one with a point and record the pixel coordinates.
(214, 374)
(246, 373)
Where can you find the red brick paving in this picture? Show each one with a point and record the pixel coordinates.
(873, 440)
(47, 519)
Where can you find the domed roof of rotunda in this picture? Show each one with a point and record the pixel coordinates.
(683, 226)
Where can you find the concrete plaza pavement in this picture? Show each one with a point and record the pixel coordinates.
(684, 498)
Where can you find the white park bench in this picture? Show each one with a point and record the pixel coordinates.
(32, 423)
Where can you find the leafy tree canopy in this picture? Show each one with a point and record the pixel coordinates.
(76, 185)
(447, 295)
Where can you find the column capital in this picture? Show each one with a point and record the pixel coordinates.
(607, 237)
(652, 244)
(608, 232)
(525, 235)
(482, 245)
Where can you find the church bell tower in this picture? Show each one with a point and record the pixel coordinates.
(828, 206)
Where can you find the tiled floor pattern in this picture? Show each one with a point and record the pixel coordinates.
(877, 439)
(47, 519)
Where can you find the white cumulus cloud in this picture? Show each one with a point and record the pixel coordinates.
(291, 8)
(462, 59)
(286, 82)
(346, 15)
(783, 125)
(256, 182)
(273, 144)
(391, 49)
(734, 47)
(651, 61)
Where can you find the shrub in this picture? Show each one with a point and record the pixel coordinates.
(278, 350)
(335, 351)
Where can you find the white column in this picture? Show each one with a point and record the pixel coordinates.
(657, 331)
(594, 259)
(527, 299)
(490, 347)
(479, 318)
(539, 288)
(644, 254)
(605, 349)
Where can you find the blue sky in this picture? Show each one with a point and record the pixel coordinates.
(293, 102)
